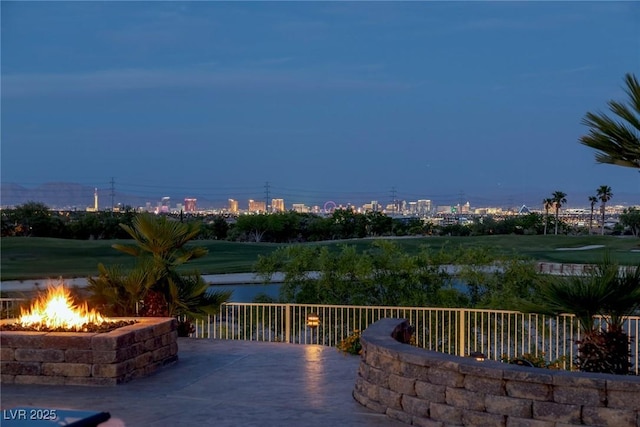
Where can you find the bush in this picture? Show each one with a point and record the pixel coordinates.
(536, 361)
(351, 344)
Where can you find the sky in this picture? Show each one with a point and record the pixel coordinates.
(448, 101)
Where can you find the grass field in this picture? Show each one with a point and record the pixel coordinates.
(35, 258)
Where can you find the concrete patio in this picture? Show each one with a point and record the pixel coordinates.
(223, 383)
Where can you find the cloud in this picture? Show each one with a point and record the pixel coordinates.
(158, 28)
(578, 69)
(494, 24)
(43, 84)
(302, 27)
(525, 16)
(557, 72)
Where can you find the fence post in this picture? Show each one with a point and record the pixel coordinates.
(462, 332)
(287, 323)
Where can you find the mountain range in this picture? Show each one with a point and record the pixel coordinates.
(65, 195)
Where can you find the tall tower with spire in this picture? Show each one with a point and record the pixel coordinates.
(94, 208)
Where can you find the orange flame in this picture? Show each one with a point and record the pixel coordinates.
(56, 309)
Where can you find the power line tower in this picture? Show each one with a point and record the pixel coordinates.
(113, 194)
(266, 197)
(394, 201)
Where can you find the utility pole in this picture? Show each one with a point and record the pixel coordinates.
(266, 196)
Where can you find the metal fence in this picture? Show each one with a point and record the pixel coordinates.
(10, 307)
(496, 333)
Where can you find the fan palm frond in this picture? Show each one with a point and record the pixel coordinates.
(160, 248)
(625, 298)
(617, 140)
(196, 300)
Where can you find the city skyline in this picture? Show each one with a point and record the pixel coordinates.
(89, 196)
(323, 100)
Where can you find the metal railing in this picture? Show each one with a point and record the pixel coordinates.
(496, 333)
(10, 307)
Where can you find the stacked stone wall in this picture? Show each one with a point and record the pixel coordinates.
(431, 389)
(77, 358)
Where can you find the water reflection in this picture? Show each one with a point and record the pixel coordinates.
(314, 374)
(246, 292)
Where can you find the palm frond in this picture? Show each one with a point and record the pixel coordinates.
(617, 141)
(131, 250)
(625, 298)
(160, 248)
(195, 299)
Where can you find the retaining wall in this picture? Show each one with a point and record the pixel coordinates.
(427, 388)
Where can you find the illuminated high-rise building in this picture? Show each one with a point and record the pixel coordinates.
(165, 204)
(257, 207)
(277, 205)
(190, 205)
(423, 207)
(233, 206)
(95, 202)
(300, 207)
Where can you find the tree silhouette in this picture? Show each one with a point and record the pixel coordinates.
(548, 204)
(592, 200)
(558, 198)
(604, 194)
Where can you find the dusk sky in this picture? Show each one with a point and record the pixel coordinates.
(478, 101)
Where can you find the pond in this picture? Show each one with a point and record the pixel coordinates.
(246, 292)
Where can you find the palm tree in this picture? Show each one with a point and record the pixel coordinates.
(547, 203)
(617, 140)
(161, 250)
(603, 291)
(592, 200)
(604, 194)
(162, 239)
(558, 198)
(117, 293)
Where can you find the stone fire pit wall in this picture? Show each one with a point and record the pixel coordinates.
(76, 358)
(428, 388)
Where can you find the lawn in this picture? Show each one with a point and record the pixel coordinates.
(36, 258)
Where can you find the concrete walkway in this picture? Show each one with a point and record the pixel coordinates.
(223, 383)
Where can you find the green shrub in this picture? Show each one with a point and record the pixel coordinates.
(538, 361)
(351, 344)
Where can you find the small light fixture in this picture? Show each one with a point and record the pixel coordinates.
(479, 356)
(313, 320)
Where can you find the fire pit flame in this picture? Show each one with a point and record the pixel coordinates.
(56, 309)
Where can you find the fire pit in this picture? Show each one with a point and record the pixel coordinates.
(55, 311)
(56, 342)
